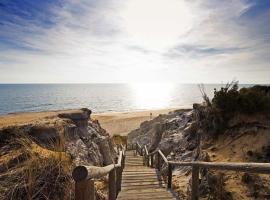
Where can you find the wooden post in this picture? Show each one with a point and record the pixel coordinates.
(195, 183)
(112, 185)
(147, 161)
(152, 160)
(169, 183)
(118, 180)
(85, 190)
(141, 151)
(123, 162)
(158, 161)
(144, 160)
(117, 149)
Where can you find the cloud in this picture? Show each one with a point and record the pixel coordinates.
(134, 40)
(193, 51)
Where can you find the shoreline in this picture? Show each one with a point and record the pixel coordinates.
(94, 113)
(114, 122)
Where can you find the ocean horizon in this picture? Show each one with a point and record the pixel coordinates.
(101, 97)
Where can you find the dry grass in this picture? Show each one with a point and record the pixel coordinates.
(38, 174)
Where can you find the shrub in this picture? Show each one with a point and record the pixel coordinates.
(226, 98)
(253, 100)
(247, 100)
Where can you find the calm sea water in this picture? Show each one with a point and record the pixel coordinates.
(99, 97)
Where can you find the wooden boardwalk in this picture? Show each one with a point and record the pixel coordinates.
(140, 182)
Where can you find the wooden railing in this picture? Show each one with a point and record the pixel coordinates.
(84, 178)
(263, 168)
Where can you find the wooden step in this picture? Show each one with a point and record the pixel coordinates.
(140, 182)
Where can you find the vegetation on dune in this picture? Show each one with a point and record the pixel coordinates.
(33, 175)
(230, 99)
(230, 104)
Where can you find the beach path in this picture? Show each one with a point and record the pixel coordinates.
(140, 182)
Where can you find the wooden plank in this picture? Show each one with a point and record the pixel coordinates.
(162, 156)
(141, 182)
(263, 168)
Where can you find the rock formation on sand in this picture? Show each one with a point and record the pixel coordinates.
(36, 159)
(190, 135)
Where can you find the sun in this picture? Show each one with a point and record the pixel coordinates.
(152, 95)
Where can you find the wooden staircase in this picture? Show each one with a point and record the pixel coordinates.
(130, 179)
(140, 182)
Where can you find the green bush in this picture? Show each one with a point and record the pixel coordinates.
(226, 98)
(247, 100)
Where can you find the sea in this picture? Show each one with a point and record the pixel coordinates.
(101, 98)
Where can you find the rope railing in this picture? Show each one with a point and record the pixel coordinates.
(263, 168)
(84, 178)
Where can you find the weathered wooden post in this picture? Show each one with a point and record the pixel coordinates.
(118, 180)
(85, 190)
(112, 185)
(152, 160)
(121, 170)
(144, 160)
(158, 161)
(169, 183)
(195, 183)
(123, 161)
(118, 149)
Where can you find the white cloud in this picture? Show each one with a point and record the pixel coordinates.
(139, 40)
(156, 23)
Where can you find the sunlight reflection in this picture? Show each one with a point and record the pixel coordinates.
(152, 95)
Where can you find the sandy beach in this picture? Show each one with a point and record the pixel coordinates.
(114, 122)
(123, 122)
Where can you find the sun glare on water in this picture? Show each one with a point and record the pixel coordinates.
(152, 95)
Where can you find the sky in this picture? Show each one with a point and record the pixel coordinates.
(107, 41)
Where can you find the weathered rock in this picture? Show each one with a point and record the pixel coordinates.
(156, 134)
(105, 149)
(82, 114)
(73, 132)
(166, 146)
